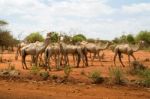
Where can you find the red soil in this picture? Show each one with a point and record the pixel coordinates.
(10, 89)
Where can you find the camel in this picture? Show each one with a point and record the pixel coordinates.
(95, 49)
(34, 50)
(19, 46)
(74, 50)
(126, 49)
(52, 50)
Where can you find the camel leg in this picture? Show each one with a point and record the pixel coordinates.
(78, 61)
(129, 59)
(92, 59)
(100, 59)
(115, 58)
(36, 60)
(86, 59)
(24, 62)
(133, 57)
(121, 60)
(74, 59)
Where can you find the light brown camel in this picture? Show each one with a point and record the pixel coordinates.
(95, 49)
(74, 50)
(126, 49)
(19, 46)
(34, 50)
(52, 50)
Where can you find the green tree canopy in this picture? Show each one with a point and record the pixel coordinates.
(54, 37)
(33, 37)
(143, 35)
(130, 38)
(78, 38)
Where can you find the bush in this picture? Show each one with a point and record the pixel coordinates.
(54, 77)
(145, 75)
(144, 36)
(67, 71)
(130, 39)
(44, 75)
(116, 75)
(136, 68)
(33, 37)
(54, 37)
(78, 38)
(96, 77)
(35, 70)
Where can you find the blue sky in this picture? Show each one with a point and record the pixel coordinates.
(103, 19)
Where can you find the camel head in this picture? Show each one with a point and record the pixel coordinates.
(138, 46)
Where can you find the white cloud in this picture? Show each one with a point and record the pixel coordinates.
(94, 17)
(136, 8)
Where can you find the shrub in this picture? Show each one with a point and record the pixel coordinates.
(136, 68)
(54, 77)
(34, 70)
(143, 35)
(78, 38)
(67, 71)
(145, 74)
(44, 75)
(96, 77)
(33, 37)
(116, 75)
(130, 39)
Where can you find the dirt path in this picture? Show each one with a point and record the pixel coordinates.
(17, 90)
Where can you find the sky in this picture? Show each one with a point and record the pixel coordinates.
(99, 19)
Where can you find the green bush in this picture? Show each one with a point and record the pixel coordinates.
(143, 35)
(78, 38)
(116, 75)
(96, 77)
(67, 71)
(44, 75)
(130, 39)
(33, 37)
(54, 37)
(145, 75)
(34, 70)
(136, 68)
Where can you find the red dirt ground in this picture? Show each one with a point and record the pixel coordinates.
(10, 89)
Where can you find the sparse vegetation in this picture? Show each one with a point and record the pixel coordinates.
(96, 77)
(136, 68)
(145, 74)
(33, 37)
(44, 75)
(54, 77)
(116, 75)
(67, 71)
(34, 70)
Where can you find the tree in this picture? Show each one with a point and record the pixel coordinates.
(54, 37)
(143, 35)
(78, 38)
(130, 38)
(33, 37)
